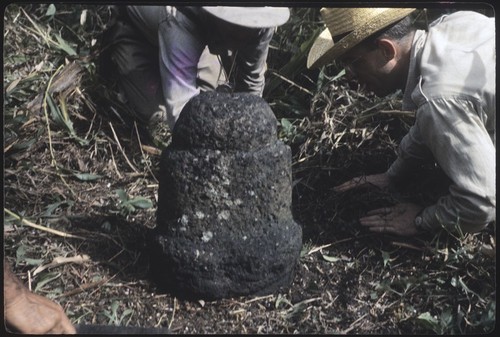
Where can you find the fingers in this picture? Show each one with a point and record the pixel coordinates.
(373, 221)
(377, 224)
(380, 211)
(64, 327)
(395, 220)
(350, 184)
(377, 180)
(379, 220)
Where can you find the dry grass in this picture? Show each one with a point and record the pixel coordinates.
(81, 190)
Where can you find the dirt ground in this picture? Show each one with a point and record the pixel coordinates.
(96, 184)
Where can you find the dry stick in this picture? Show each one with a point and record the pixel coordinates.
(121, 149)
(114, 163)
(315, 249)
(142, 152)
(407, 245)
(292, 83)
(43, 228)
(91, 107)
(29, 281)
(353, 324)
(84, 287)
(258, 298)
(398, 112)
(173, 313)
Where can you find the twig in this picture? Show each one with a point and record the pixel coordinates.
(43, 228)
(292, 83)
(171, 320)
(121, 149)
(83, 288)
(60, 260)
(398, 112)
(407, 245)
(148, 166)
(353, 325)
(258, 298)
(113, 161)
(315, 249)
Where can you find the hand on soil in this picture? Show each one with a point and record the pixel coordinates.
(398, 219)
(378, 180)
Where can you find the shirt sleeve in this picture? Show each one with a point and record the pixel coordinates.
(412, 151)
(453, 131)
(251, 62)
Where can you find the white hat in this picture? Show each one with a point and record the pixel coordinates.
(251, 17)
(348, 27)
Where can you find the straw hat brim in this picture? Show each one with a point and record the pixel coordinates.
(324, 51)
(251, 17)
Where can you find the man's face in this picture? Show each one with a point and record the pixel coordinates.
(369, 66)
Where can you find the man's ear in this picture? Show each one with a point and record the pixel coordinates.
(388, 48)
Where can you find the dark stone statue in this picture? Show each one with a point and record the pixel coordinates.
(224, 222)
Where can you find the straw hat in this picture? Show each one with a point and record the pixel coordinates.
(252, 17)
(346, 27)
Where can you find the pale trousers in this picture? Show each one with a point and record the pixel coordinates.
(135, 53)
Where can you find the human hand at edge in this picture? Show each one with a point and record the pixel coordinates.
(378, 180)
(29, 313)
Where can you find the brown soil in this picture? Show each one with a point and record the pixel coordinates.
(348, 281)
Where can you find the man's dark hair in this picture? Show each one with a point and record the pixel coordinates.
(396, 31)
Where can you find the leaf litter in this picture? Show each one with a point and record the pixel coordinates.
(83, 169)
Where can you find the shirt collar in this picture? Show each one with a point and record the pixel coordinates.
(414, 69)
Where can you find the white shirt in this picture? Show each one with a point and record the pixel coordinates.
(451, 85)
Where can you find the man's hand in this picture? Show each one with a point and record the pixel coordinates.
(35, 314)
(28, 313)
(378, 180)
(398, 219)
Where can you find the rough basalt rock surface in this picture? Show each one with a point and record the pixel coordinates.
(224, 222)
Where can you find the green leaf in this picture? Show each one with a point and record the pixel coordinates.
(21, 257)
(20, 253)
(446, 318)
(33, 262)
(57, 116)
(63, 45)
(63, 121)
(24, 145)
(51, 11)
(46, 278)
(429, 322)
(87, 176)
(122, 195)
(386, 257)
(340, 74)
(141, 202)
(50, 208)
(285, 123)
